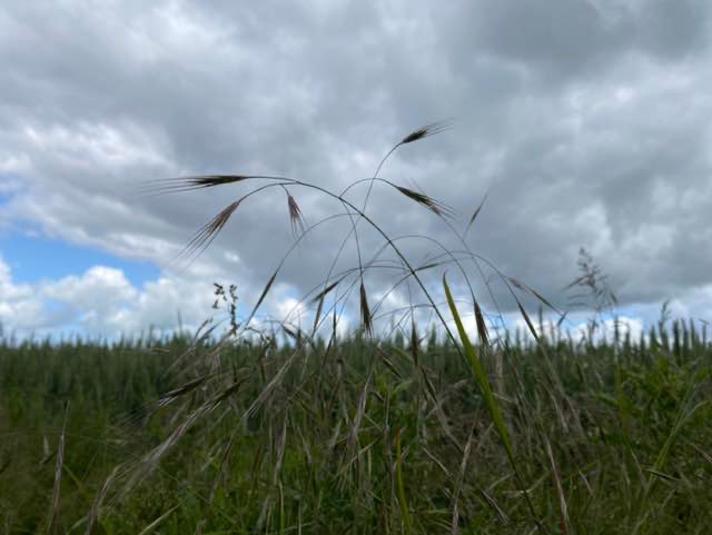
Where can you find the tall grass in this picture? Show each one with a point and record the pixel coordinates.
(360, 437)
(363, 433)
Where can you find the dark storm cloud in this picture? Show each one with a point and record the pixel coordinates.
(587, 122)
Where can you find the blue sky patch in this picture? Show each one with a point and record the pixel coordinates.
(32, 259)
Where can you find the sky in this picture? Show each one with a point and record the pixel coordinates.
(584, 123)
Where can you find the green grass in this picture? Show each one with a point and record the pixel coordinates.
(358, 438)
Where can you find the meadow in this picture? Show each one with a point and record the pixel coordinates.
(284, 429)
(175, 436)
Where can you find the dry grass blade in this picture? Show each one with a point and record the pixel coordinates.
(400, 488)
(58, 467)
(190, 183)
(267, 390)
(495, 506)
(229, 391)
(151, 460)
(205, 236)
(387, 362)
(174, 394)
(360, 412)
(455, 522)
(563, 508)
(429, 454)
(365, 311)
(280, 448)
(706, 456)
(426, 131)
(153, 525)
(431, 204)
(439, 412)
(99, 500)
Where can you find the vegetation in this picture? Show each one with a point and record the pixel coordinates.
(357, 438)
(303, 431)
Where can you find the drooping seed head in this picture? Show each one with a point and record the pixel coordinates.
(426, 131)
(295, 214)
(208, 232)
(189, 183)
(431, 204)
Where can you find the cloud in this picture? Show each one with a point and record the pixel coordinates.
(17, 303)
(585, 120)
(100, 302)
(103, 303)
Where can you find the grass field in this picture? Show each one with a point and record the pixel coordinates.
(256, 432)
(357, 437)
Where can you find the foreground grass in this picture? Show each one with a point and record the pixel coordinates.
(356, 438)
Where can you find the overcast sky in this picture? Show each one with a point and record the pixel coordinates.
(587, 124)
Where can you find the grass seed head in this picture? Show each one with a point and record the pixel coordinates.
(209, 181)
(431, 204)
(189, 183)
(204, 237)
(426, 131)
(295, 215)
(365, 310)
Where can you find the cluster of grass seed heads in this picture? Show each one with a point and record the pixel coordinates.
(208, 232)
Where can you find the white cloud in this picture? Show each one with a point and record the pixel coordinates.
(19, 306)
(100, 302)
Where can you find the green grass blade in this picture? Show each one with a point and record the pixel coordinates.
(480, 374)
(493, 407)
